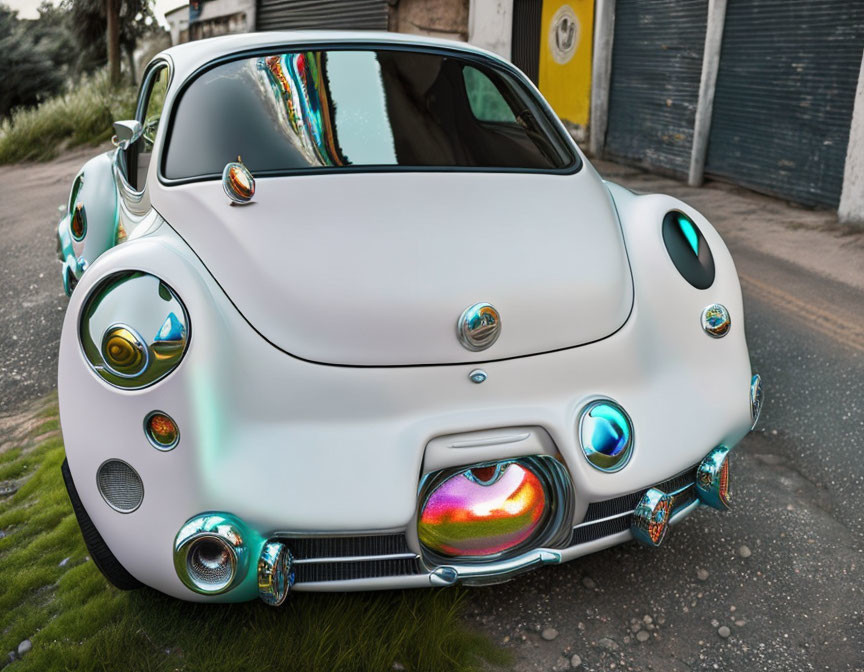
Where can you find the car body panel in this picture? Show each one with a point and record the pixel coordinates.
(545, 250)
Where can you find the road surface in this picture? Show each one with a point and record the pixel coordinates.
(782, 571)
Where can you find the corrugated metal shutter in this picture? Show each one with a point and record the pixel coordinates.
(656, 67)
(784, 97)
(311, 14)
(526, 36)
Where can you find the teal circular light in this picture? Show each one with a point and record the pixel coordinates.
(606, 435)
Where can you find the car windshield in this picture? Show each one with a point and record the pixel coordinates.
(341, 109)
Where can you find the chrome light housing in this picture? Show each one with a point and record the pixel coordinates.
(211, 554)
(606, 435)
(712, 479)
(275, 573)
(756, 398)
(651, 517)
(134, 329)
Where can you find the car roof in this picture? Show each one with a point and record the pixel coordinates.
(190, 56)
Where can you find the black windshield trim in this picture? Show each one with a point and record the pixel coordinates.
(565, 141)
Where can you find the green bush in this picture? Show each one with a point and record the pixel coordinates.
(82, 115)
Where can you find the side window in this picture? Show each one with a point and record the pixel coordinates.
(486, 101)
(149, 114)
(153, 107)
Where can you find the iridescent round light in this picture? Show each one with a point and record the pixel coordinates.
(716, 321)
(606, 435)
(483, 511)
(712, 479)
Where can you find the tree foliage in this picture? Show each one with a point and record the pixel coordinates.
(32, 58)
(89, 22)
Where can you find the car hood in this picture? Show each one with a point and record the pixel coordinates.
(375, 269)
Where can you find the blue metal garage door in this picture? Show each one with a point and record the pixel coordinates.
(784, 97)
(656, 67)
(333, 14)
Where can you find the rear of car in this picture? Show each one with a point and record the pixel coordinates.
(434, 347)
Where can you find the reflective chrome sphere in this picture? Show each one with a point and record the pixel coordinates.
(606, 435)
(150, 341)
(716, 321)
(479, 327)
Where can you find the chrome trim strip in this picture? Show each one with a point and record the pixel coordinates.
(603, 520)
(356, 558)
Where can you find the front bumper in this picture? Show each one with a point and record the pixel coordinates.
(298, 450)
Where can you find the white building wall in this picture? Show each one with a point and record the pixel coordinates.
(851, 209)
(490, 25)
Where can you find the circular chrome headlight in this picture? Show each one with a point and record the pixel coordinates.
(134, 329)
(606, 435)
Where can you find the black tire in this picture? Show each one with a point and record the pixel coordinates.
(101, 555)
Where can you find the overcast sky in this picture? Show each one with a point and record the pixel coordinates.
(27, 8)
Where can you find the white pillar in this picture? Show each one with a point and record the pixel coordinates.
(707, 85)
(490, 25)
(851, 209)
(601, 74)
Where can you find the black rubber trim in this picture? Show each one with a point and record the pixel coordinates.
(101, 555)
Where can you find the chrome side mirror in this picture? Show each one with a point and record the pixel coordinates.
(126, 132)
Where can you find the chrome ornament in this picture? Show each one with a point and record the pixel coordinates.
(716, 321)
(651, 518)
(238, 183)
(756, 398)
(478, 327)
(477, 376)
(712, 479)
(606, 435)
(275, 573)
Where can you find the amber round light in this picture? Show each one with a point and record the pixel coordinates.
(78, 224)
(161, 431)
(124, 351)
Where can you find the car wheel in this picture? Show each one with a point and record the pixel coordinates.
(101, 555)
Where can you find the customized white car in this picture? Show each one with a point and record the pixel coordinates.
(352, 311)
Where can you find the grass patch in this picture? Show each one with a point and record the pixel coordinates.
(81, 116)
(77, 621)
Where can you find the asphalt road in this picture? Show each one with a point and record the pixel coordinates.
(792, 600)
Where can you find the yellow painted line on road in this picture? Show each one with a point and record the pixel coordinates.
(819, 318)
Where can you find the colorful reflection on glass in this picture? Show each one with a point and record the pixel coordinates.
(712, 479)
(483, 512)
(651, 517)
(298, 82)
(606, 435)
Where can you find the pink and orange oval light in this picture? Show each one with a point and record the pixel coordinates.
(469, 516)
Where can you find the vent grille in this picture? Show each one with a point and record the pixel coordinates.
(347, 571)
(319, 559)
(304, 548)
(626, 503)
(120, 486)
(622, 506)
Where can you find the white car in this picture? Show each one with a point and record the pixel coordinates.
(354, 312)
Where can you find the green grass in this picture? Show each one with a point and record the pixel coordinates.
(81, 116)
(77, 621)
